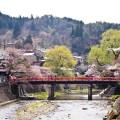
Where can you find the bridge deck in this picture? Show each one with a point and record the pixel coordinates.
(73, 80)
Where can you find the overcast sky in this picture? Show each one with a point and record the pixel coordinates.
(86, 10)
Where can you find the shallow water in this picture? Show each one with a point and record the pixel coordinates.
(66, 110)
(77, 110)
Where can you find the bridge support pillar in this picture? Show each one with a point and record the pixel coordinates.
(51, 92)
(90, 92)
(15, 90)
(21, 91)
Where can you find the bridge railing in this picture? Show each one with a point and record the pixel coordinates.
(59, 78)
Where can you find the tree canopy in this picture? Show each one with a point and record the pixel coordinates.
(98, 55)
(110, 40)
(59, 58)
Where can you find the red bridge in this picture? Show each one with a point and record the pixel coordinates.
(52, 80)
(71, 80)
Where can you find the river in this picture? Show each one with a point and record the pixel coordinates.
(66, 110)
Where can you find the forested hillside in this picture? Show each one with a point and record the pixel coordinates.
(47, 31)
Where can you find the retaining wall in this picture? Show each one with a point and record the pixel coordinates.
(5, 93)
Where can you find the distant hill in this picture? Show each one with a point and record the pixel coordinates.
(47, 31)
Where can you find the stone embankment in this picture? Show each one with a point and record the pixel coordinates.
(114, 113)
(6, 94)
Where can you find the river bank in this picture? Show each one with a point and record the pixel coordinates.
(114, 112)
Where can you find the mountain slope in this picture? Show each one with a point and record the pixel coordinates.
(48, 31)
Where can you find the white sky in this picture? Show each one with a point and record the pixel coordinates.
(86, 10)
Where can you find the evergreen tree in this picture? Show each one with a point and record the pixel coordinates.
(28, 39)
(17, 29)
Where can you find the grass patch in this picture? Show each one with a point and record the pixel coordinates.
(40, 95)
(58, 94)
(114, 97)
(43, 95)
(118, 118)
(80, 90)
(35, 105)
(84, 90)
(29, 107)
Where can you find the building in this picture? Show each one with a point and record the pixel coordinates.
(79, 59)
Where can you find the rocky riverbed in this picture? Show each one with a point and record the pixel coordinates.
(25, 110)
(77, 110)
(55, 110)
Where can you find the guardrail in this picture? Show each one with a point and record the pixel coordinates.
(58, 78)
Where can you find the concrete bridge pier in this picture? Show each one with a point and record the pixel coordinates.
(90, 91)
(51, 92)
(21, 92)
(15, 90)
